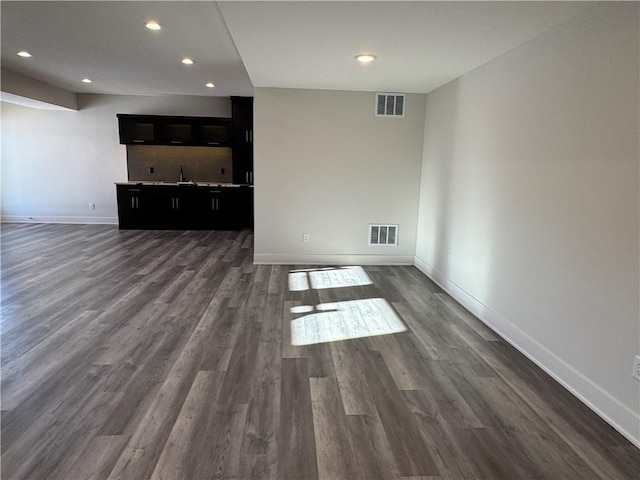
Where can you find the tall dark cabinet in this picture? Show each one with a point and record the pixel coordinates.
(242, 126)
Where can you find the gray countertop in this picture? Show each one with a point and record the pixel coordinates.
(195, 184)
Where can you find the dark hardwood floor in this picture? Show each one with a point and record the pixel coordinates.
(165, 354)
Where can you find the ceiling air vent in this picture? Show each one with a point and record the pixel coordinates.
(383, 235)
(390, 105)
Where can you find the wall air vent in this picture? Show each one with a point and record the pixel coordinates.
(383, 235)
(390, 105)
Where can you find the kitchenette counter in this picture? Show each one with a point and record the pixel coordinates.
(184, 205)
(192, 184)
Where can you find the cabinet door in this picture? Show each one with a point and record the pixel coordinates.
(218, 209)
(243, 207)
(189, 207)
(212, 132)
(137, 130)
(175, 132)
(246, 203)
(169, 209)
(242, 119)
(134, 207)
(211, 209)
(236, 208)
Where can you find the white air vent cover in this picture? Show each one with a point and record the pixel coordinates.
(390, 105)
(383, 235)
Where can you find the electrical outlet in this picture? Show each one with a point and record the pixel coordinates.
(150, 169)
(222, 171)
(92, 206)
(449, 258)
(636, 368)
(305, 238)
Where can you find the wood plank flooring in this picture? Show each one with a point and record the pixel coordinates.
(169, 355)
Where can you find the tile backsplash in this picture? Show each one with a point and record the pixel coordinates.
(200, 164)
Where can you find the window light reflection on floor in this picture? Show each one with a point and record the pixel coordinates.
(323, 278)
(338, 321)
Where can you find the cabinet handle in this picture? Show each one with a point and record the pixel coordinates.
(176, 141)
(137, 202)
(138, 141)
(217, 204)
(173, 203)
(213, 204)
(251, 177)
(177, 203)
(213, 143)
(246, 136)
(246, 177)
(251, 136)
(133, 202)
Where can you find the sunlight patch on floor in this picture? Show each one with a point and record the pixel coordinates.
(338, 321)
(323, 278)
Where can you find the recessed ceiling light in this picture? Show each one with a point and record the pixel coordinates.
(187, 61)
(24, 53)
(365, 57)
(210, 85)
(86, 80)
(153, 25)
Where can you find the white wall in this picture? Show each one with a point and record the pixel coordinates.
(530, 180)
(54, 163)
(325, 165)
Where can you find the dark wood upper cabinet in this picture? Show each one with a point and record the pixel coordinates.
(173, 130)
(138, 129)
(212, 132)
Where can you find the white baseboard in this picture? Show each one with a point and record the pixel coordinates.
(50, 219)
(287, 259)
(615, 413)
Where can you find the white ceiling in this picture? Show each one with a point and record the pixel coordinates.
(107, 42)
(420, 45)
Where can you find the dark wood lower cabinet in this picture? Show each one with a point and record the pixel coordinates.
(134, 207)
(189, 207)
(221, 208)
